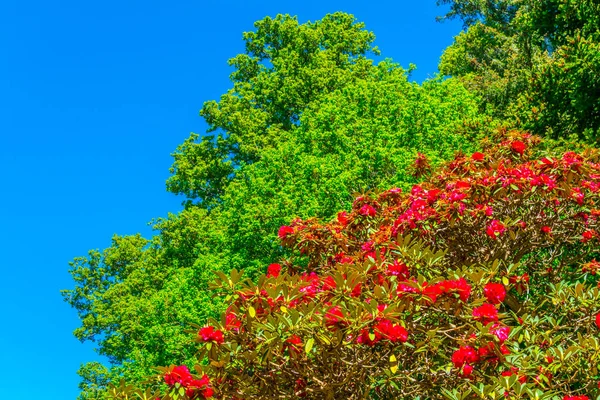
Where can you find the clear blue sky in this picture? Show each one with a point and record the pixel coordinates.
(94, 96)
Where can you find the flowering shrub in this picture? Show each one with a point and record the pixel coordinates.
(480, 283)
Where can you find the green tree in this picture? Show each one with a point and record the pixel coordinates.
(534, 63)
(309, 121)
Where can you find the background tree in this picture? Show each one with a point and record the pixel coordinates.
(534, 63)
(310, 120)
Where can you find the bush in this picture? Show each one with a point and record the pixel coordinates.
(480, 282)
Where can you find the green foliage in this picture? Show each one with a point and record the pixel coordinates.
(309, 122)
(534, 63)
(286, 67)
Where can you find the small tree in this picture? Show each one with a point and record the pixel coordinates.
(480, 283)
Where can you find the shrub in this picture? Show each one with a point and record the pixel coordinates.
(480, 282)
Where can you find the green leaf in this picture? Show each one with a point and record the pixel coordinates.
(309, 345)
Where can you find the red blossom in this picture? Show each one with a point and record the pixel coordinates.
(335, 318)
(392, 332)
(494, 292)
(367, 210)
(501, 332)
(547, 230)
(459, 286)
(588, 235)
(598, 320)
(294, 343)
(232, 323)
(329, 283)
(477, 156)
(515, 371)
(273, 270)
(179, 374)
(495, 229)
(210, 334)
(342, 218)
(464, 355)
(398, 269)
(592, 267)
(485, 313)
(284, 231)
(518, 146)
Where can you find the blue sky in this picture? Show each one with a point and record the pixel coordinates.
(94, 98)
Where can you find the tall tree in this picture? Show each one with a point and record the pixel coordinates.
(309, 122)
(535, 63)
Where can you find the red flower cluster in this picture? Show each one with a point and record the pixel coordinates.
(232, 323)
(210, 334)
(294, 343)
(495, 229)
(518, 146)
(576, 398)
(384, 329)
(494, 292)
(485, 313)
(334, 318)
(464, 358)
(273, 270)
(284, 231)
(588, 235)
(181, 374)
(515, 371)
(368, 210)
(592, 267)
(459, 286)
(477, 156)
(598, 320)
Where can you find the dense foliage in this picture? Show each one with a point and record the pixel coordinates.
(310, 121)
(481, 282)
(534, 62)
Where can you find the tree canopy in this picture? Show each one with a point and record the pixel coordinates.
(534, 63)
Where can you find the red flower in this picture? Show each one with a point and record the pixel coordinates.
(329, 283)
(477, 156)
(520, 282)
(273, 270)
(284, 231)
(495, 229)
(295, 343)
(391, 332)
(458, 286)
(232, 323)
(518, 146)
(210, 334)
(588, 235)
(485, 313)
(398, 269)
(367, 210)
(334, 317)
(494, 292)
(464, 355)
(598, 320)
(180, 374)
(592, 267)
(467, 370)
(342, 218)
(576, 398)
(501, 332)
(547, 230)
